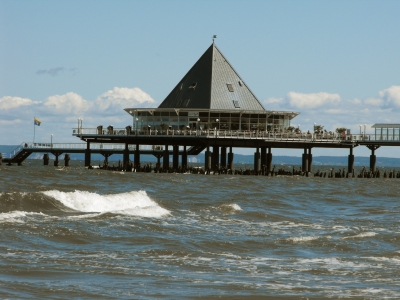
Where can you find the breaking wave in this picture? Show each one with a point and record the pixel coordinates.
(135, 203)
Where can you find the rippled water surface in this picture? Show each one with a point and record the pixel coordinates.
(73, 232)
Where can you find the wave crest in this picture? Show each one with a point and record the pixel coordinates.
(135, 203)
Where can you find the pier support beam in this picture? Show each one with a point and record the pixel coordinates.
(66, 160)
(87, 154)
(269, 161)
(184, 158)
(136, 158)
(1, 159)
(257, 161)
(56, 155)
(372, 157)
(223, 157)
(45, 159)
(207, 159)
(309, 169)
(158, 164)
(126, 155)
(215, 161)
(175, 157)
(350, 166)
(230, 159)
(304, 165)
(263, 160)
(166, 158)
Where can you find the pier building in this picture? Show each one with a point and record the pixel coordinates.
(211, 95)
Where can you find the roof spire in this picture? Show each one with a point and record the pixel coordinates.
(214, 37)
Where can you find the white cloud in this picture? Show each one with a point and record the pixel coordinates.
(274, 100)
(59, 114)
(373, 101)
(115, 100)
(335, 111)
(313, 100)
(70, 103)
(9, 102)
(391, 96)
(10, 122)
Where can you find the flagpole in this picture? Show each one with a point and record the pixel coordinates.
(34, 130)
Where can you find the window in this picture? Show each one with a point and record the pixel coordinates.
(187, 102)
(236, 103)
(240, 83)
(180, 102)
(181, 86)
(193, 86)
(230, 87)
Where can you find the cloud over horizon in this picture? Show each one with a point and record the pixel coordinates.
(60, 112)
(332, 111)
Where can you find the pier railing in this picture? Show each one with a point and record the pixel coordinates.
(82, 146)
(238, 134)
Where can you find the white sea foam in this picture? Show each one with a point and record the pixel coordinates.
(233, 207)
(12, 217)
(302, 239)
(135, 203)
(360, 235)
(16, 216)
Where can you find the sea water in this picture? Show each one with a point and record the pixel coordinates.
(71, 232)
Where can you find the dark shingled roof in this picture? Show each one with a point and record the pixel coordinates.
(212, 83)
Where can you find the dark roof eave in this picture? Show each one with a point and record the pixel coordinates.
(267, 112)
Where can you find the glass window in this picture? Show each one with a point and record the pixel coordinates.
(230, 87)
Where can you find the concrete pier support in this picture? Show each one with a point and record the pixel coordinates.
(56, 162)
(158, 164)
(309, 169)
(263, 160)
(350, 165)
(126, 156)
(372, 157)
(66, 160)
(230, 159)
(45, 159)
(257, 162)
(166, 158)
(207, 159)
(106, 156)
(223, 157)
(304, 165)
(175, 157)
(136, 158)
(215, 158)
(269, 161)
(87, 155)
(184, 158)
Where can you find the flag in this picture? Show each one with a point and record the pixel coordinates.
(36, 121)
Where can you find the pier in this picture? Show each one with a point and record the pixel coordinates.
(211, 109)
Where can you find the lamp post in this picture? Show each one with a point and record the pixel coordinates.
(365, 130)
(80, 126)
(136, 125)
(315, 126)
(51, 141)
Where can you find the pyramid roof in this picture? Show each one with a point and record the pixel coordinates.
(212, 83)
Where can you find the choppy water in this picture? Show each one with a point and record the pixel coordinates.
(78, 233)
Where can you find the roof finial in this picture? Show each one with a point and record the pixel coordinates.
(214, 37)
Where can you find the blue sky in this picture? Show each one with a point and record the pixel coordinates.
(335, 62)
